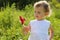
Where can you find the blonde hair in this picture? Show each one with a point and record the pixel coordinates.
(43, 4)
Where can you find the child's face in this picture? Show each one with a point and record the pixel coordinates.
(39, 13)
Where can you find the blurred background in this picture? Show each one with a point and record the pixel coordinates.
(10, 10)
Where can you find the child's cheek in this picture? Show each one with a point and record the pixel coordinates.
(41, 16)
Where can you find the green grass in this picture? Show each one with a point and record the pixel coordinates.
(11, 28)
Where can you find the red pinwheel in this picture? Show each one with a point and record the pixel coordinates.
(22, 19)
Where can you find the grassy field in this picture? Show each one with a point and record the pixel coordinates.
(11, 28)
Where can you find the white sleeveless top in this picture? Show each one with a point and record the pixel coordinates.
(39, 30)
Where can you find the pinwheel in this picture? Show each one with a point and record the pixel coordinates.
(22, 20)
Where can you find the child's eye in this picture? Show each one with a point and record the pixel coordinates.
(34, 11)
(38, 12)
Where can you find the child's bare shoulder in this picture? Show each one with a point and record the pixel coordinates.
(47, 21)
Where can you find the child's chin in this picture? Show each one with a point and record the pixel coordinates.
(39, 19)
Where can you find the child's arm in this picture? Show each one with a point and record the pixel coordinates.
(51, 32)
(26, 29)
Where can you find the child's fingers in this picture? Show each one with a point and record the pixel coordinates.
(24, 30)
(24, 25)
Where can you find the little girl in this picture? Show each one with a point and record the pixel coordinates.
(40, 27)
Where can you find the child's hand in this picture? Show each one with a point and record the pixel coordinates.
(50, 38)
(25, 29)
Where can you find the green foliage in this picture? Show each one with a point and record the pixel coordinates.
(20, 4)
(10, 26)
(55, 3)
